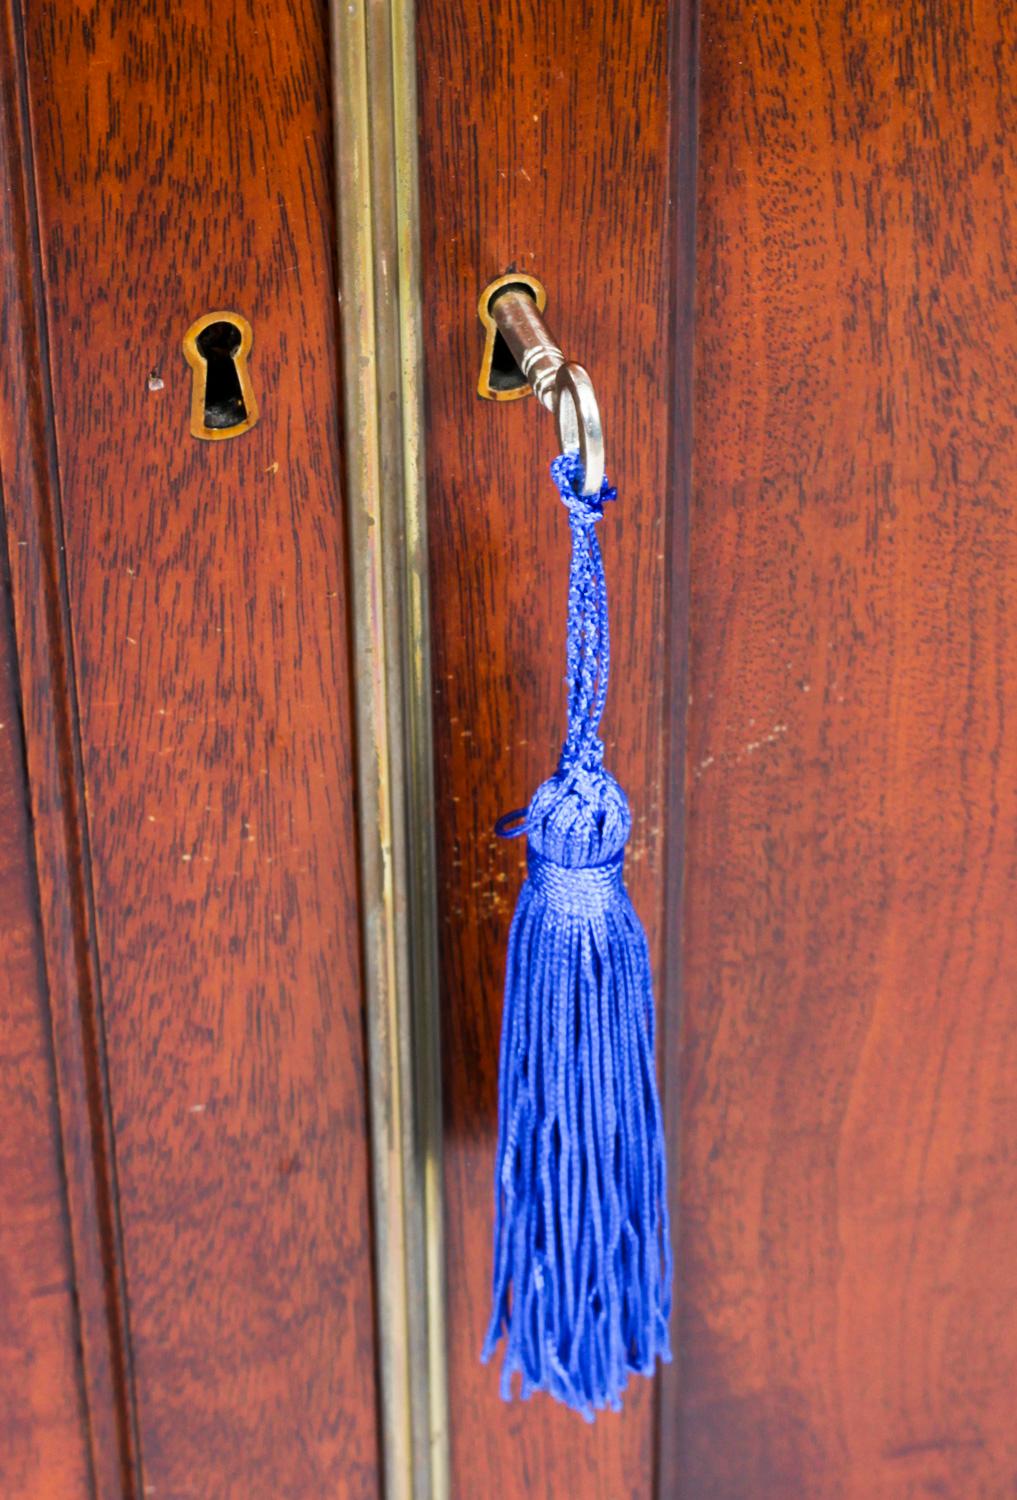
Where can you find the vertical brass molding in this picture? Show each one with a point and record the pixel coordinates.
(374, 75)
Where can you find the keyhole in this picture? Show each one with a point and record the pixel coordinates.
(222, 399)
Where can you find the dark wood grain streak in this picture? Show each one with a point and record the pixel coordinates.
(684, 92)
(849, 1186)
(545, 148)
(32, 509)
(44, 1448)
(184, 164)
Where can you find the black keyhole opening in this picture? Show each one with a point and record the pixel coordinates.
(224, 398)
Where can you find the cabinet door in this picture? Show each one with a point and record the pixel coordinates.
(177, 161)
(849, 1067)
(552, 141)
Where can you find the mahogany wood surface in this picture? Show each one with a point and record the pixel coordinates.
(48, 711)
(544, 143)
(183, 164)
(44, 1448)
(849, 1127)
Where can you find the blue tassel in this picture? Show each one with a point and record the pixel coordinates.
(582, 1256)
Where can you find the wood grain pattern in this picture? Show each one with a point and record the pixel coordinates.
(545, 149)
(48, 706)
(183, 164)
(849, 1186)
(44, 1449)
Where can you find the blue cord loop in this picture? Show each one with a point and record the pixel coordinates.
(511, 825)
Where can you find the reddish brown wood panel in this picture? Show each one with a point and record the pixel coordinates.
(52, 754)
(849, 1184)
(183, 164)
(544, 148)
(43, 1437)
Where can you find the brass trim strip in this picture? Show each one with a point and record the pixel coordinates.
(375, 111)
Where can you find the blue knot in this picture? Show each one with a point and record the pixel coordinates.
(585, 510)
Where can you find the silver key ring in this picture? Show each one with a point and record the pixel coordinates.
(579, 426)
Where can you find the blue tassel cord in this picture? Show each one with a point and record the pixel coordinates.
(582, 1256)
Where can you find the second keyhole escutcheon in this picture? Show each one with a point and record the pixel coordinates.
(217, 346)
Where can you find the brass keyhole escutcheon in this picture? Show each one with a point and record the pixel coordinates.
(500, 377)
(217, 347)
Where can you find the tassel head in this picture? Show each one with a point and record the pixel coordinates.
(579, 817)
